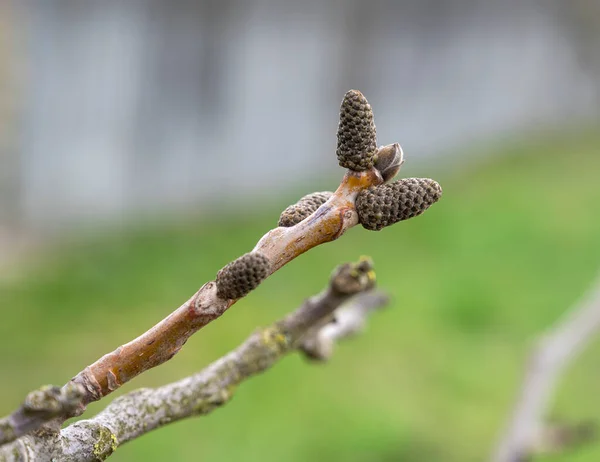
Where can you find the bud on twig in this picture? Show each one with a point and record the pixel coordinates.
(242, 276)
(388, 161)
(305, 207)
(357, 136)
(384, 205)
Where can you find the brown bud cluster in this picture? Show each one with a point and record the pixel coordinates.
(306, 206)
(356, 136)
(384, 205)
(241, 276)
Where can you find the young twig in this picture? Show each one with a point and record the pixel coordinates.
(347, 321)
(141, 411)
(360, 198)
(527, 430)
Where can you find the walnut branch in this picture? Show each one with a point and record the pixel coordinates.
(279, 246)
(141, 411)
(361, 197)
(527, 432)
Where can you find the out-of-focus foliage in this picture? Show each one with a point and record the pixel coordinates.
(512, 244)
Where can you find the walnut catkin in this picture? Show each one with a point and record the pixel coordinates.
(356, 136)
(241, 276)
(384, 205)
(306, 206)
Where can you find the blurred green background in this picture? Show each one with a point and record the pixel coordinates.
(510, 247)
(145, 144)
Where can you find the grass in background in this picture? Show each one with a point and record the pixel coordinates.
(513, 243)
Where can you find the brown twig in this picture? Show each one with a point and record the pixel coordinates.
(280, 246)
(141, 411)
(165, 339)
(370, 167)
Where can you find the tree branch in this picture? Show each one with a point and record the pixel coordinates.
(552, 353)
(279, 246)
(361, 197)
(346, 321)
(143, 410)
(165, 339)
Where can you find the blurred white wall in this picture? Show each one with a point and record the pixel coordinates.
(149, 105)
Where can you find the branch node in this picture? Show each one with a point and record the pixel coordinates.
(54, 401)
(351, 278)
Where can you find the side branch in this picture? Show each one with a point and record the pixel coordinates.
(346, 321)
(526, 431)
(141, 411)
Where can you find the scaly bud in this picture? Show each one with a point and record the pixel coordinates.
(243, 275)
(357, 136)
(384, 205)
(388, 161)
(306, 206)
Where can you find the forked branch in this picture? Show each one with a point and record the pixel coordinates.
(360, 198)
(141, 411)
